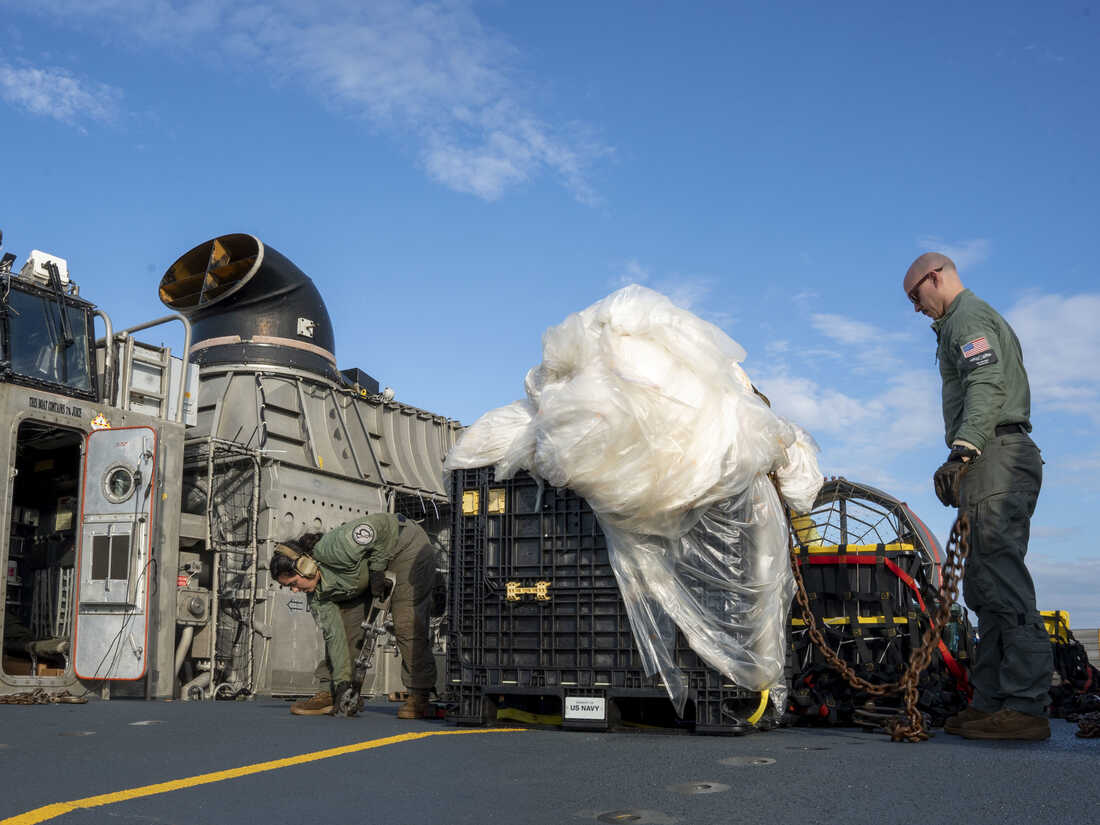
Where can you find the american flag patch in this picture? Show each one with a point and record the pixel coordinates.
(975, 347)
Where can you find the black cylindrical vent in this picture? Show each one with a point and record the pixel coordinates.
(248, 304)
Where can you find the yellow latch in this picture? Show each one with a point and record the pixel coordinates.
(471, 502)
(540, 590)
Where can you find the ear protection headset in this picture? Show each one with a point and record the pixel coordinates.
(304, 565)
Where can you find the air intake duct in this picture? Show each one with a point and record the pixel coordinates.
(248, 304)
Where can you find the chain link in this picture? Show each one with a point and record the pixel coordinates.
(38, 696)
(1089, 725)
(910, 727)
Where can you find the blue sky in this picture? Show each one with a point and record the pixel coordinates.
(459, 176)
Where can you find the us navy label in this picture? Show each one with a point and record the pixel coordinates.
(585, 707)
(57, 407)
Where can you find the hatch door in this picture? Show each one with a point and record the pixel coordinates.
(114, 554)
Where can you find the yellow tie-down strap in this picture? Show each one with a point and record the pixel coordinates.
(847, 620)
(895, 547)
(514, 591)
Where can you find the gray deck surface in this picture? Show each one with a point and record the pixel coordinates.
(60, 753)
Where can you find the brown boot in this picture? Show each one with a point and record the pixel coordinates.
(417, 706)
(317, 705)
(1009, 724)
(954, 724)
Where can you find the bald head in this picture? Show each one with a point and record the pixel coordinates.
(932, 283)
(927, 262)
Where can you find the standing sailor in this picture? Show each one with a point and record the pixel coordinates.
(993, 474)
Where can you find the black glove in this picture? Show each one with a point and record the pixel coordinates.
(343, 700)
(377, 583)
(946, 478)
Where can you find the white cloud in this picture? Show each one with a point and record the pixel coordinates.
(1062, 584)
(1054, 533)
(1061, 342)
(850, 331)
(429, 72)
(632, 273)
(59, 94)
(777, 346)
(844, 330)
(1084, 463)
(869, 347)
(965, 254)
(901, 416)
(687, 292)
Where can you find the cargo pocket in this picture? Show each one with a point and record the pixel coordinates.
(1001, 524)
(1026, 669)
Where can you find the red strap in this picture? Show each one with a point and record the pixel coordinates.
(962, 684)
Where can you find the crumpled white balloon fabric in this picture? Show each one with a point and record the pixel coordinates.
(643, 409)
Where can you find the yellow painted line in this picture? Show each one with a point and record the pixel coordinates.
(59, 808)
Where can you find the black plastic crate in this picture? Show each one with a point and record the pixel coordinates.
(537, 618)
(520, 530)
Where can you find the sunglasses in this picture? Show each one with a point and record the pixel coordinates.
(914, 293)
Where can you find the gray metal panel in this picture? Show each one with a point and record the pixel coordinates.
(19, 403)
(307, 421)
(115, 559)
(299, 500)
(166, 541)
(297, 646)
(190, 391)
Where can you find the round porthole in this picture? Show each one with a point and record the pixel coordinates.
(118, 484)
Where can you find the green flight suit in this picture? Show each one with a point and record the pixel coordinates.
(987, 402)
(346, 557)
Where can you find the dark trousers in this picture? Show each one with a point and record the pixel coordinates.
(1013, 662)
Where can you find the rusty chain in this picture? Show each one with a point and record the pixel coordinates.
(911, 727)
(1089, 725)
(38, 696)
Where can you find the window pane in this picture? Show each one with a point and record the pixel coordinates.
(37, 341)
(100, 557)
(120, 557)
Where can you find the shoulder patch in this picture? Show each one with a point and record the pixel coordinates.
(363, 535)
(978, 353)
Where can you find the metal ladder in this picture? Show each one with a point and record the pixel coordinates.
(63, 614)
(144, 377)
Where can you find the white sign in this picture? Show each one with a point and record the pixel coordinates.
(585, 707)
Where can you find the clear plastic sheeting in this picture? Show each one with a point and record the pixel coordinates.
(800, 478)
(642, 408)
(503, 438)
(726, 584)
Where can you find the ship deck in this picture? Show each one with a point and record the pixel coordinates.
(128, 761)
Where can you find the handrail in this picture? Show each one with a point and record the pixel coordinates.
(186, 352)
(108, 353)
